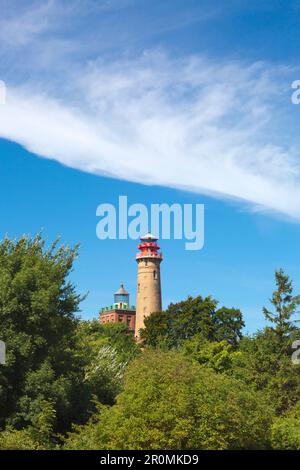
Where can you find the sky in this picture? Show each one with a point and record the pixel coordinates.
(180, 101)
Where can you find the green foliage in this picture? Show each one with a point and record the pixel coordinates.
(55, 363)
(218, 356)
(286, 430)
(13, 439)
(203, 387)
(104, 374)
(38, 436)
(92, 335)
(37, 306)
(194, 316)
(284, 303)
(170, 403)
(106, 349)
(264, 363)
(89, 435)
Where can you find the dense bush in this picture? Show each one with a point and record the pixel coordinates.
(286, 430)
(170, 403)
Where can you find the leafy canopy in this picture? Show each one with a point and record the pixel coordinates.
(285, 305)
(38, 324)
(193, 316)
(170, 403)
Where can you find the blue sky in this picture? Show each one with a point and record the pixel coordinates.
(162, 101)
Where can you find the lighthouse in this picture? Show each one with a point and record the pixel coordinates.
(148, 298)
(120, 311)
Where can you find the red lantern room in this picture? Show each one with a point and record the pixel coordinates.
(149, 248)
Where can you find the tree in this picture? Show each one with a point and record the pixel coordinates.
(106, 351)
(170, 403)
(183, 320)
(217, 355)
(38, 324)
(285, 305)
(286, 430)
(37, 436)
(264, 364)
(228, 325)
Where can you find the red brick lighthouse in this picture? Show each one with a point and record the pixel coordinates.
(148, 299)
(120, 311)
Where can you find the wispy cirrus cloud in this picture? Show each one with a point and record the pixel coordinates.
(21, 29)
(192, 123)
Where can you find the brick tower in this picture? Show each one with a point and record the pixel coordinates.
(120, 311)
(148, 298)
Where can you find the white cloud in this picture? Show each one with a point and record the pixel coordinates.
(191, 124)
(197, 124)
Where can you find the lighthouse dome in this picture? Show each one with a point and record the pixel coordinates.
(121, 296)
(149, 237)
(121, 291)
